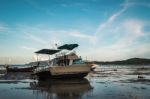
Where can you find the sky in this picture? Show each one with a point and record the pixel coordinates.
(105, 30)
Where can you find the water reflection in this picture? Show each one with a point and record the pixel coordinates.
(62, 89)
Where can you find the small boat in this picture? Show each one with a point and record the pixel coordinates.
(64, 65)
(15, 76)
(20, 69)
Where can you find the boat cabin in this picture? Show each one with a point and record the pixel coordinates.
(62, 59)
(66, 60)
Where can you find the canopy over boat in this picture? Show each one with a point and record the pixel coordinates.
(47, 51)
(68, 46)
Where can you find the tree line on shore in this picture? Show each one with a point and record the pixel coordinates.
(131, 61)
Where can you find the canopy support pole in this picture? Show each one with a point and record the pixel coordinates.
(49, 60)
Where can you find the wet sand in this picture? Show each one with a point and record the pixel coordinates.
(106, 82)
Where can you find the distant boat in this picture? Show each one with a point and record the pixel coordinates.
(20, 69)
(63, 65)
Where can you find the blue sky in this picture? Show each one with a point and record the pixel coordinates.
(104, 29)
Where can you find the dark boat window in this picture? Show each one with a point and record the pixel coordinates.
(78, 61)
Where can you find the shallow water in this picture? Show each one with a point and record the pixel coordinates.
(107, 82)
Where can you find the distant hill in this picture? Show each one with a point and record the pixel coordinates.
(131, 61)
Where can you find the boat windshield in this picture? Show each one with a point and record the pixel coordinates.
(78, 61)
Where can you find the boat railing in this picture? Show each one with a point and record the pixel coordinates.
(42, 68)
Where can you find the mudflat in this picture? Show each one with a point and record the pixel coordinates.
(106, 82)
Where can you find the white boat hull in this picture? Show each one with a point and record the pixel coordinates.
(72, 71)
(61, 70)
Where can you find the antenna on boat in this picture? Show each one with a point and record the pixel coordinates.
(56, 45)
(49, 59)
(86, 59)
(37, 59)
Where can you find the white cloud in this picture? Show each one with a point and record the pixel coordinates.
(36, 39)
(28, 48)
(44, 37)
(50, 37)
(132, 30)
(83, 36)
(2, 28)
(111, 54)
(112, 18)
(134, 26)
(126, 46)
